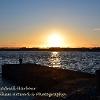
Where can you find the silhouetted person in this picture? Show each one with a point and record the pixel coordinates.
(20, 61)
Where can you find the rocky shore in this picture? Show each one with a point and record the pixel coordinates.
(52, 80)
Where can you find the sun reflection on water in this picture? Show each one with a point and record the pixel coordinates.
(55, 59)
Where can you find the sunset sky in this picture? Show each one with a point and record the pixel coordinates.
(49, 23)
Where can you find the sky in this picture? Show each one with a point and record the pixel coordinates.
(49, 23)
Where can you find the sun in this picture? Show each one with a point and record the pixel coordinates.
(55, 40)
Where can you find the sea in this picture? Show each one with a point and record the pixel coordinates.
(73, 60)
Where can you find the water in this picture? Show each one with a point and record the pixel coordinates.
(80, 61)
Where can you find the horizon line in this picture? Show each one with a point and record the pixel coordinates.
(43, 47)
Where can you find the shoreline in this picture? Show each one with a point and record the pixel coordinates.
(95, 49)
(60, 81)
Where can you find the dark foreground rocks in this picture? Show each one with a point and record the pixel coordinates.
(75, 84)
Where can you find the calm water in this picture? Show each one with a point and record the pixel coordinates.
(82, 61)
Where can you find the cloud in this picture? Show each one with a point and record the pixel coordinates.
(96, 29)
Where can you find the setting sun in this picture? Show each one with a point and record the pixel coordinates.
(55, 40)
